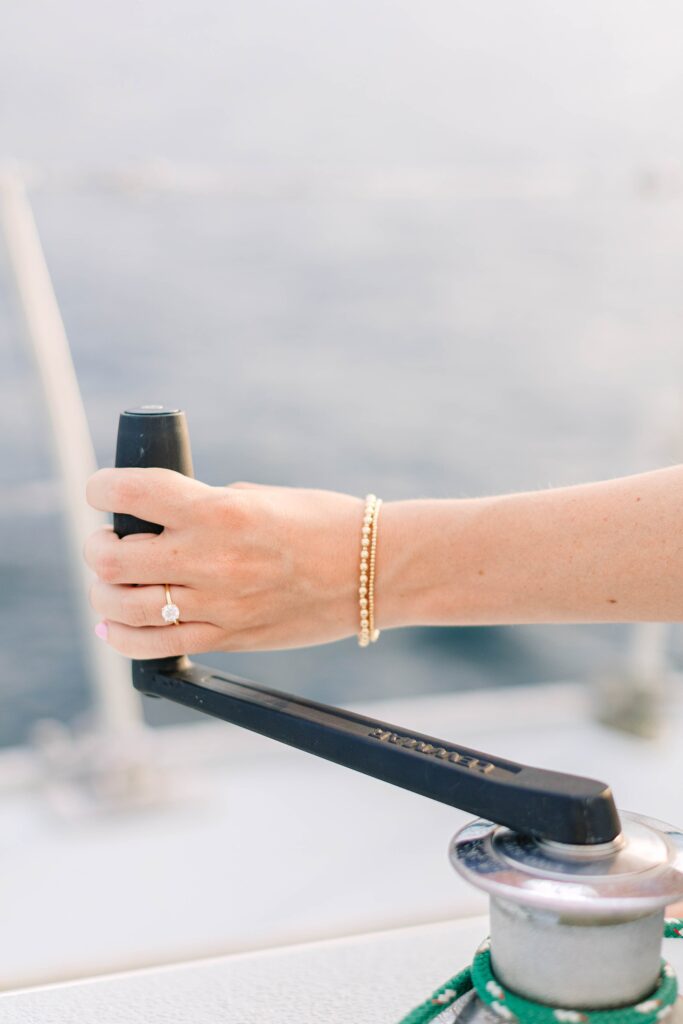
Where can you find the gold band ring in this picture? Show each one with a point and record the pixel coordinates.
(170, 612)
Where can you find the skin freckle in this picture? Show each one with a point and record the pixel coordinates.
(611, 600)
(481, 572)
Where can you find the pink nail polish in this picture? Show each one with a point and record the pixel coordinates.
(102, 630)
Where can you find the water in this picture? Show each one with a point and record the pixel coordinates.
(363, 251)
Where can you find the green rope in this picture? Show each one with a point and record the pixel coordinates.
(513, 1008)
(443, 997)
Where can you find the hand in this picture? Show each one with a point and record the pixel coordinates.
(250, 567)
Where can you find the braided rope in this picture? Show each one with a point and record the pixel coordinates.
(514, 1008)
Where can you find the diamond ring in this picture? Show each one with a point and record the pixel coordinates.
(170, 612)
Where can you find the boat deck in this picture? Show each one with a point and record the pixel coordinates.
(368, 979)
(260, 846)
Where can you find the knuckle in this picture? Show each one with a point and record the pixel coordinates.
(107, 566)
(193, 507)
(234, 565)
(232, 611)
(134, 644)
(124, 491)
(132, 609)
(169, 643)
(243, 612)
(233, 511)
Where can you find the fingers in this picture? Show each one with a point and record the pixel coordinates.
(141, 606)
(156, 495)
(140, 558)
(164, 641)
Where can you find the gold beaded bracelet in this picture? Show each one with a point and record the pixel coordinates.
(366, 590)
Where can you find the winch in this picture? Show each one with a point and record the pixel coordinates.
(576, 926)
(577, 890)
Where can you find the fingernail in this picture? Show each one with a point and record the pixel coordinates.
(102, 630)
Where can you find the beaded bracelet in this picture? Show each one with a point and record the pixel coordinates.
(366, 590)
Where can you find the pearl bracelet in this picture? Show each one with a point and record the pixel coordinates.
(366, 589)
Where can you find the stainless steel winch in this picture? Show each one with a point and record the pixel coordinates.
(573, 925)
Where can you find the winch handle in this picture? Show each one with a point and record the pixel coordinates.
(548, 805)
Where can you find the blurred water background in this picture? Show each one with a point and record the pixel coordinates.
(424, 250)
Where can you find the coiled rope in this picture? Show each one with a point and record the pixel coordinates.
(514, 1008)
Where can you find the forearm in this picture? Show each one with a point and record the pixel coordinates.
(601, 552)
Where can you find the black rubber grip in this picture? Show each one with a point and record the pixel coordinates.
(152, 435)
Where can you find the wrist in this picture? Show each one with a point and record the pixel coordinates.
(428, 563)
(403, 583)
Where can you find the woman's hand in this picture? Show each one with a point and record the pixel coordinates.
(261, 568)
(250, 567)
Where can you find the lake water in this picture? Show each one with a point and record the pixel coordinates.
(364, 249)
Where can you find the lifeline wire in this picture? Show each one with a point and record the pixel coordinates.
(511, 1007)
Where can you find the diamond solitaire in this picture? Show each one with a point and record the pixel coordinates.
(170, 613)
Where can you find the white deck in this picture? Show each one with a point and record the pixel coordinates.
(270, 847)
(369, 979)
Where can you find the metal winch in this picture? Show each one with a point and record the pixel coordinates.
(573, 925)
(577, 891)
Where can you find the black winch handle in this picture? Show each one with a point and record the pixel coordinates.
(533, 801)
